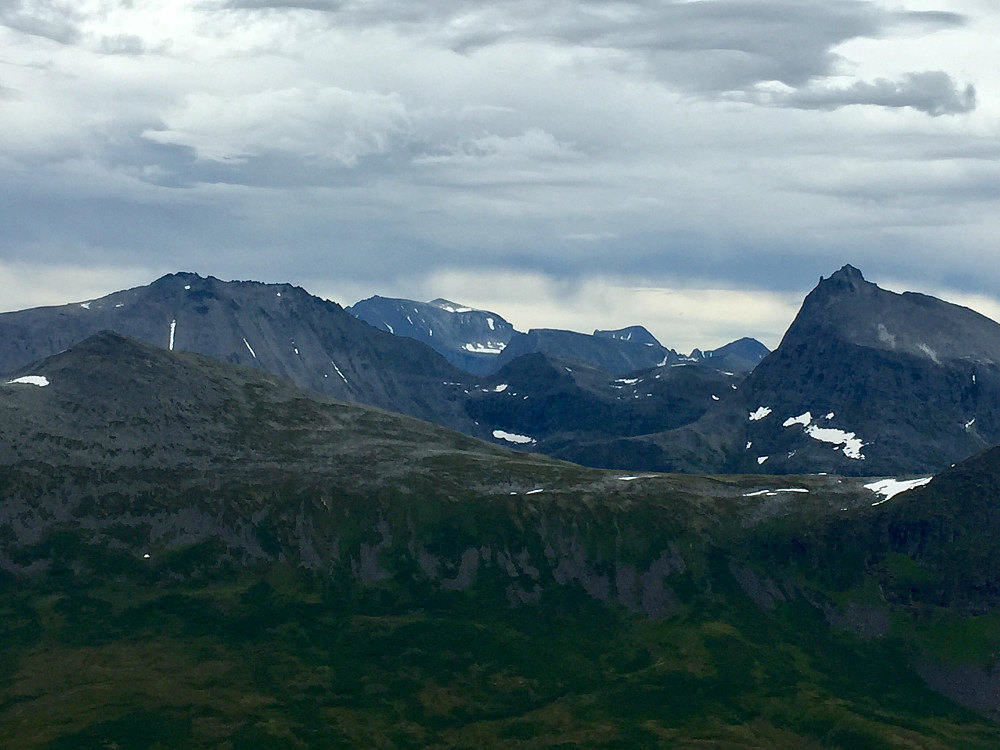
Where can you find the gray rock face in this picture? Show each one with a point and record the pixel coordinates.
(633, 334)
(617, 356)
(470, 339)
(740, 356)
(866, 382)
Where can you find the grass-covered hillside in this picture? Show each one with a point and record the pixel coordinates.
(197, 556)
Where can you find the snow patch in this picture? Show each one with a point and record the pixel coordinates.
(534, 492)
(829, 416)
(40, 380)
(250, 348)
(489, 322)
(714, 397)
(511, 437)
(628, 381)
(389, 328)
(761, 459)
(454, 308)
(851, 442)
(501, 388)
(772, 493)
(762, 411)
(489, 347)
(929, 352)
(338, 371)
(969, 424)
(889, 488)
(885, 337)
(173, 327)
(187, 287)
(803, 419)
(85, 305)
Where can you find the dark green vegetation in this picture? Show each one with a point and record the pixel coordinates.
(324, 575)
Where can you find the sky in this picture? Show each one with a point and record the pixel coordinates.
(693, 166)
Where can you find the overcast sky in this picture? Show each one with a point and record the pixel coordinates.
(691, 166)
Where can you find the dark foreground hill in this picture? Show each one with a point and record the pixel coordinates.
(196, 555)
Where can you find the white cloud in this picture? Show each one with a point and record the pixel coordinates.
(561, 140)
(25, 285)
(311, 122)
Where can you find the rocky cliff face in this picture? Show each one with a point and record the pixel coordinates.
(867, 381)
(470, 339)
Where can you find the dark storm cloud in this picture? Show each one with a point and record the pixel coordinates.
(51, 19)
(933, 92)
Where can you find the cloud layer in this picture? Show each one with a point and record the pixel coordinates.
(377, 145)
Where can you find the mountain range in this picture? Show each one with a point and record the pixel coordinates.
(864, 382)
(482, 342)
(199, 554)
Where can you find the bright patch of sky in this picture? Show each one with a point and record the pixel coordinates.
(692, 167)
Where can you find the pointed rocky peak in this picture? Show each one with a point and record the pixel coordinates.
(847, 281)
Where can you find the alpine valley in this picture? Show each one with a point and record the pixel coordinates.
(233, 515)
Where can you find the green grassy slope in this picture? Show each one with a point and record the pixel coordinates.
(328, 576)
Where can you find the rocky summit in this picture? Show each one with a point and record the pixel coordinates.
(865, 382)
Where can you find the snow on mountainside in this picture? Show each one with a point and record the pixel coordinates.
(865, 382)
(469, 339)
(481, 342)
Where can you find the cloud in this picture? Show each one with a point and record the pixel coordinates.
(933, 92)
(703, 47)
(528, 149)
(313, 122)
(713, 143)
(122, 44)
(51, 19)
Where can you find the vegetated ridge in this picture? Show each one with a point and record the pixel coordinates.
(198, 554)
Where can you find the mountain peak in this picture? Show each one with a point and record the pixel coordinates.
(633, 334)
(847, 280)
